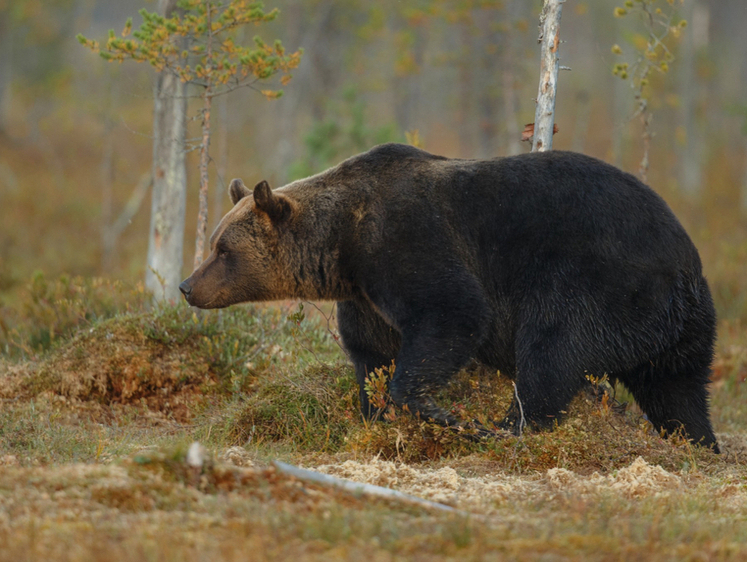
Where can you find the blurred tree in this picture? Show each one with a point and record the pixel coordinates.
(6, 65)
(652, 53)
(333, 139)
(690, 163)
(462, 34)
(509, 65)
(169, 195)
(201, 31)
(31, 35)
(219, 193)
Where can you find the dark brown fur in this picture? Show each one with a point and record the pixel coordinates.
(547, 266)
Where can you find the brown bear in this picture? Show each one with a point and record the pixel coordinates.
(547, 266)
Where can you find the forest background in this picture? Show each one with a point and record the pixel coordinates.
(75, 132)
(134, 431)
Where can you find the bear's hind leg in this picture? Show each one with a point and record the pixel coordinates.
(543, 398)
(672, 388)
(547, 378)
(672, 402)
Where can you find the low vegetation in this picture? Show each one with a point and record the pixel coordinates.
(102, 395)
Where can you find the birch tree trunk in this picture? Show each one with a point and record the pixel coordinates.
(202, 213)
(544, 118)
(168, 205)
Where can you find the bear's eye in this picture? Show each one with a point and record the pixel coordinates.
(222, 253)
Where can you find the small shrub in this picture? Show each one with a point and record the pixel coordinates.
(313, 409)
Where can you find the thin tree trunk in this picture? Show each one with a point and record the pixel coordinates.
(508, 80)
(743, 199)
(690, 161)
(513, 135)
(621, 118)
(207, 102)
(544, 118)
(743, 190)
(485, 49)
(107, 177)
(107, 198)
(466, 91)
(168, 204)
(6, 68)
(202, 214)
(219, 193)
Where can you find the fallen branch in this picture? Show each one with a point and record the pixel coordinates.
(365, 489)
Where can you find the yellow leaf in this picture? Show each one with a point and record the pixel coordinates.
(413, 138)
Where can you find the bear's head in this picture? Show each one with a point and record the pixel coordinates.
(246, 261)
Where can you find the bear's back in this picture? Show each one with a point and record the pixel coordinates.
(531, 200)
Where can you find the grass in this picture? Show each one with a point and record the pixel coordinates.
(96, 421)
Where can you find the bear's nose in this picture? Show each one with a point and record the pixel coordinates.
(185, 288)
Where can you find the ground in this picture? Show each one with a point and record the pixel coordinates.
(100, 404)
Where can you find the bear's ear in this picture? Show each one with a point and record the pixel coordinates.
(277, 207)
(237, 190)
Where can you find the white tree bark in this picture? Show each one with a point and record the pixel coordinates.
(168, 206)
(544, 118)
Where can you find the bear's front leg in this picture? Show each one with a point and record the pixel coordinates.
(370, 342)
(436, 343)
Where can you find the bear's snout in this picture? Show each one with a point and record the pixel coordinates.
(186, 288)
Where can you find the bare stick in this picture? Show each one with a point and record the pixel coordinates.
(544, 117)
(359, 488)
(522, 419)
